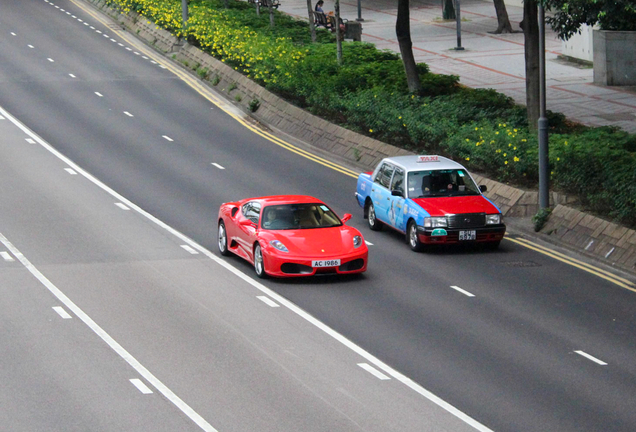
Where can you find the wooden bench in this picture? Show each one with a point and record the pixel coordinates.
(321, 20)
(267, 3)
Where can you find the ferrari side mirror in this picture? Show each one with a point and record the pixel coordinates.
(346, 217)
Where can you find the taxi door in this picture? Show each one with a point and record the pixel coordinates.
(397, 204)
(380, 193)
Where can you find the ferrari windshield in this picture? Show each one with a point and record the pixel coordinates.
(298, 216)
(441, 183)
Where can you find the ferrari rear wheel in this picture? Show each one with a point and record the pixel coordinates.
(259, 265)
(223, 239)
(374, 223)
(413, 237)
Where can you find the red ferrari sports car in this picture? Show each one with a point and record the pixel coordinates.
(290, 235)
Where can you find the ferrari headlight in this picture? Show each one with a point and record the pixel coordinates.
(493, 219)
(279, 245)
(435, 222)
(357, 241)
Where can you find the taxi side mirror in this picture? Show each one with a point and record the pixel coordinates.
(346, 217)
(397, 192)
(483, 188)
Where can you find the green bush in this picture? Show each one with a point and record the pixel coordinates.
(368, 93)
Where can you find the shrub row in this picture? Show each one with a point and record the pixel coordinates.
(483, 129)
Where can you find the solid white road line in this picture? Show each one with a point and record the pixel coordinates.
(462, 291)
(217, 165)
(29, 140)
(122, 206)
(367, 367)
(112, 343)
(6, 256)
(167, 138)
(99, 94)
(268, 301)
(190, 249)
(406, 381)
(128, 114)
(61, 312)
(141, 386)
(589, 357)
(71, 171)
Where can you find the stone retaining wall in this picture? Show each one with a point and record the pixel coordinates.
(611, 242)
(603, 239)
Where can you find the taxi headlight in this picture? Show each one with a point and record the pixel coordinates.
(435, 222)
(279, 245)
(493, 219)
(357, 241)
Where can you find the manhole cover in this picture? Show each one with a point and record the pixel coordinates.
(522, 264)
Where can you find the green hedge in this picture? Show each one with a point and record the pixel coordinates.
(483, 129)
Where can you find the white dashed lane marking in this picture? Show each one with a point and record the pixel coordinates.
(99, 94)
(122, 206)
(590, 357)
(141, 386)
(1, 118)
(373, 371)
(13, 34)
(29, 140)
(190, 249)
(268, 301)
(463, 291)
(128, 114)
(30, 46)
(167, 138)
(6, 256)
(71, 171)
(368, 243)
(72, 76)
(217, 165)
(51, 60)
(61, 312)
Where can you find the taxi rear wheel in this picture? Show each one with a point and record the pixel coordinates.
(412, 237)
(374, 223)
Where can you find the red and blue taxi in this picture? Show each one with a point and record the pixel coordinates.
(431, 199)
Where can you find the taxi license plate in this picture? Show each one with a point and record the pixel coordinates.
(468, 235)
(326, 263)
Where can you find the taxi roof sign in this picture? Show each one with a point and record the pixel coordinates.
(428, 158)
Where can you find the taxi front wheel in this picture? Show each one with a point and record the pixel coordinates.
(412, 237)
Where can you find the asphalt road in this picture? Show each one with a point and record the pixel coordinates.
(515, 356)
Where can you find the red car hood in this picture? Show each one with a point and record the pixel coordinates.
(456, 205)
(318, 242)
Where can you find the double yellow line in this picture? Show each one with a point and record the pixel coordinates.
(204, 91)
(604, 274)
(196, 84)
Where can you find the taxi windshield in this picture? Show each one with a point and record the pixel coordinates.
(298, 216)
(440, 183)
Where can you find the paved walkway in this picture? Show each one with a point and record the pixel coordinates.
(488, 61)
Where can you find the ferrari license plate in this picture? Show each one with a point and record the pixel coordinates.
(326, 263)
(468, 235)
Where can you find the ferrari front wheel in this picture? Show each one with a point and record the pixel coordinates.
(222, 239)
(259, 265)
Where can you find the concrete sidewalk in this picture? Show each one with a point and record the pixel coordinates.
(488, 61)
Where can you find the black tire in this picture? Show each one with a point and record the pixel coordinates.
(412, 238)
(492, 245)
(374, 223)
(259, 265)
(222, 239)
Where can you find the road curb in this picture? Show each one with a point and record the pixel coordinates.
(593, 236)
